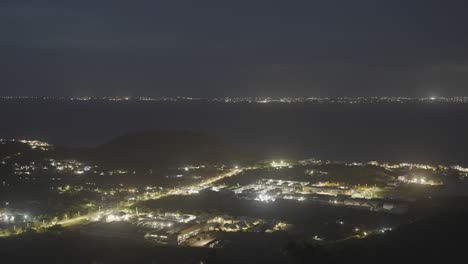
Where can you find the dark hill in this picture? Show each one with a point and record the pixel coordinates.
(440, 238)
(163, 148)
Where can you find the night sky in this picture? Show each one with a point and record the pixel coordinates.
(234, 48)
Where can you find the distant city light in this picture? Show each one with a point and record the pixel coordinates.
(259, 100)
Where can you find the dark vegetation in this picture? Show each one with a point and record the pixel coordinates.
(72, 247)
(437, 239)
(156, 149)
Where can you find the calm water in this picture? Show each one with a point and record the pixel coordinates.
(429, 133)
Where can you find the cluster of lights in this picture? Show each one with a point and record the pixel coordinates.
(164, 221)
(187, 168)
(460, 168)
(70, 165)
(260, 100)
(116, 218)
(62, 166)
(292, 190)
(265, 198)
(289, 197)
(97, 217)
(8, 218)
(420, 180)
(36, 144)
(280, 164)
(385, 165)
(403, 165)
(33, 144)
(385, 229)
(377, 231)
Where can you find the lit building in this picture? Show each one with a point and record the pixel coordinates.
(174, 236)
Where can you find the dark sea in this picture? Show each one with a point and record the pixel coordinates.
(429, 133)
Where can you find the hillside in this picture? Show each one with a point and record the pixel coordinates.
(163, 148)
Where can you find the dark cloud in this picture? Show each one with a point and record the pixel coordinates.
(214, 48)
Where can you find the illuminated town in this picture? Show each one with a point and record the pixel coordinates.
(73, 194)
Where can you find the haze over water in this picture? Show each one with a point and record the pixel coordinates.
(426, 133)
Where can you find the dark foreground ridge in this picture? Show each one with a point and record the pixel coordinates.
(439, 239)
